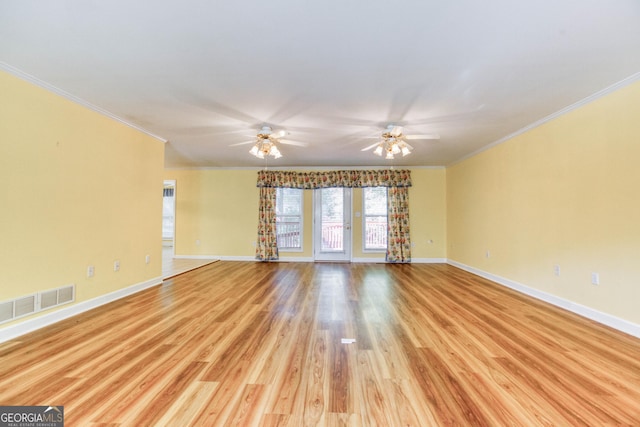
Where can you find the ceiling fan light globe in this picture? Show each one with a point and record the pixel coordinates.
(395, 149)
(254, 150)
(389, 155)
(378, 150)
(405, 151)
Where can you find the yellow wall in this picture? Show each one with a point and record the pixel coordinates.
(219, 207)
(565, 193)
(428, 213)
(77, 189)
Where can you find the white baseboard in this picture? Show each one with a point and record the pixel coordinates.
(584, 311)
(295, 259)
(236, 258)
(207, 257)
(429, 260)
(369, 260)
(13, 331)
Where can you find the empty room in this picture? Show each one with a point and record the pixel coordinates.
(358, 213)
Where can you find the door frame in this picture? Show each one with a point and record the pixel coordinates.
(171, 183)
(347, 252)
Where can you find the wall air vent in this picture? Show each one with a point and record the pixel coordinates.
(6, 311)
(34, 303)
(25, 305)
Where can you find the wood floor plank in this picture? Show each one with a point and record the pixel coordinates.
(187, 406)
(260, 344)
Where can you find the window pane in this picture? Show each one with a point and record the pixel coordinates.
(376, 232)
(288, 201)
(289, 218)
(375, 218)
(375, 201)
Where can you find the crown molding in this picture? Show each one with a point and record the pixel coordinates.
(300, 168)
(56, 90)
(606, 91)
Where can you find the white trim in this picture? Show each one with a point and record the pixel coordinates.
(30, 325)
(301, 168)
(218, 257)
(237, 258)
(379, 260)
(316, 225)
(363, 221)
(205, 257)
(51, 88)
(428, 260)
(300, 220)
(295, 259)
(598, 316)
(606, 91)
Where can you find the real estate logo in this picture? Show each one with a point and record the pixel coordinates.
(31, 416)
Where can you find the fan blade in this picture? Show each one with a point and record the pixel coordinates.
(242, 143)
(429, 136)
(371, 146)
(296, 143)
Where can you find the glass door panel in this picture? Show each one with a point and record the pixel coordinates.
(332, 227)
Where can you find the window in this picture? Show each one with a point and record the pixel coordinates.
(374, 220)
(289, 218)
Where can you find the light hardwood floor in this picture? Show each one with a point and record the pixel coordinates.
(174, 266)
(259, 344)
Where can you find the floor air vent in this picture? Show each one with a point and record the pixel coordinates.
(30, 304)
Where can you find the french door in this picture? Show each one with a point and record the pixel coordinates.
(332, 224)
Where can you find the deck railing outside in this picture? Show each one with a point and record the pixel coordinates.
(376, 234)
(288, 234)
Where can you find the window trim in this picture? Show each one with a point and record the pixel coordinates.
(293, 249)
(364, 224)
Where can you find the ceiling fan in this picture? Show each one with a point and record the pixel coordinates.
(393, 141)
(265, 142)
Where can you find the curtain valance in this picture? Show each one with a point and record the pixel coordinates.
(326, 179)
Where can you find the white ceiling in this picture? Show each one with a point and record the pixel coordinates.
(207, 74)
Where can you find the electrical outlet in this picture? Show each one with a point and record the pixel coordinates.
(556, 270)
(487, 254)
(595, 279)
(116, 265)
(198, 242)
(90, 271)
(147, 259)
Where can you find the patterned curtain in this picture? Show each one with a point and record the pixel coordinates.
(398, 182)
(267, 245)
(347, 179)
(398, 241)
